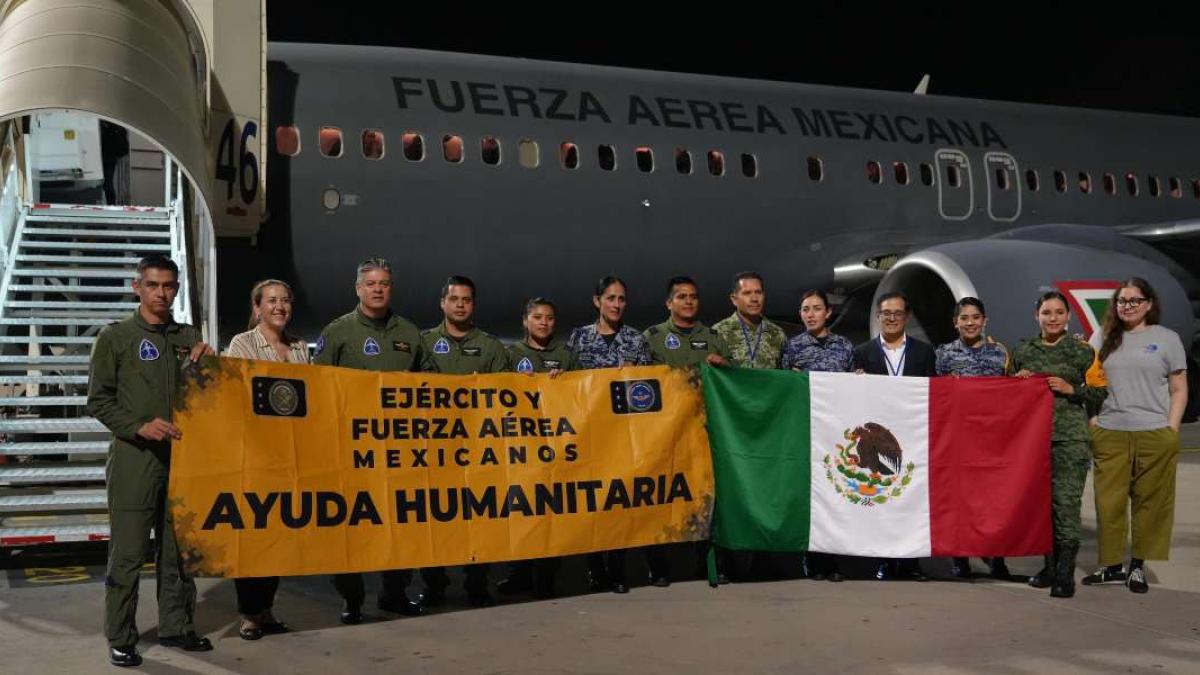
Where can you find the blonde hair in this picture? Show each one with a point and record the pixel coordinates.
(256, 295)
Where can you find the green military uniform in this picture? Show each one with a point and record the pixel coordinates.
(1071, 359)
(671, 346)
(135, 377)
(390, 344)
(476, 352)
(355, 340)
(524, 358)
(750, 346)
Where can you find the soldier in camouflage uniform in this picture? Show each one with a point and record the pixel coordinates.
(610, 343)
(539, 352)
(753, 340)
(133, 385)
(1078, 385)
(973, 354)
(682, 341)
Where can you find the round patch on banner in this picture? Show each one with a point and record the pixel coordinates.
(147, 351)
(441, 346)
(371, 347)
(672, 341)
(641, 396)
(283, 398)
(525, 365)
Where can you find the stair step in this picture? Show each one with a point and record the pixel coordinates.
(121, 289)
(95, 246)
(51, 426)
(43, 400)
(61, 501)
(100, 234)
(46, 340)
(52, 534)
(55, 448)
(78, 272)
(44, 209)
(9, 362)
(69, 304)
(13, 474)
(43, 379)
(81, 259)
(57, 321)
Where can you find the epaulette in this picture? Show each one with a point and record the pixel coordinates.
(652, 330)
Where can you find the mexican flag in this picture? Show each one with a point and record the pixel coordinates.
(869, 465)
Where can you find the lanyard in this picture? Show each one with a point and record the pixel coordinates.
(753, 350)
(888, 360)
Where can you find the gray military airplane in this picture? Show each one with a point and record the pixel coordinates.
(536, 178)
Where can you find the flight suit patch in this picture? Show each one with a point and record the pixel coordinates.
(700, 344)
(552, 364)
(441, 346)
(472, 351)
(147, 351)
(525, 365)
(672, 341)
(371, 347)
(398, 346)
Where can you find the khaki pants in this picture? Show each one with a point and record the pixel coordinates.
(1135, 471)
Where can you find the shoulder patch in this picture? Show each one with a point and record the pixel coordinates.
(652, 330)
(320, 346)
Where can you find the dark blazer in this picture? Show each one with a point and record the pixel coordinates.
(919, 358)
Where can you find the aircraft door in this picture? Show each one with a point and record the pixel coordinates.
(956, 197)
(1004, 194)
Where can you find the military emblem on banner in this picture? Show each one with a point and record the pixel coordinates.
(869, 470)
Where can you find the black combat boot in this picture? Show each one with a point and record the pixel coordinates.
(1045, 578)
(1064, 571)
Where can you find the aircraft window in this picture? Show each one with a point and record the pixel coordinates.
(645, 159)
(372, 144)
(1110, 184)
(1060, 181)
(1155, 190)
(926, 174)
(900, 169)
(749, 165)
(607, 157)
(1196, 188)
(1002, 179)
(287, 141)
(489, 150)
(1176, 191)
(452, 148)
(414, 146)
(816, 169)
(528, 154)
(683, 161)
(952, 176)
(716, 162)
(1085, 183)
(1131, 183)
(568, 154)
(874, 173)
(1031, 180)
(331, 141)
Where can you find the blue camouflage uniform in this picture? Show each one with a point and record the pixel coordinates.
(956, 358)
(592, 350)
(830, 354)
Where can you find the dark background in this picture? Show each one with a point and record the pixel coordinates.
(1133, 58)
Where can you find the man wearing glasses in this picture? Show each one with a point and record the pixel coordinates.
(895, 354)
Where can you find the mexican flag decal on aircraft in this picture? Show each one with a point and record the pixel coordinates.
(1089, 301)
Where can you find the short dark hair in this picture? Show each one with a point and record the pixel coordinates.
(813, 292)
(157, 261)
(537, 301)
(1052, 295)
(604, 282)
(740, 276)
(677, 281)
(457, 280)
(969, 301)
(892, 295)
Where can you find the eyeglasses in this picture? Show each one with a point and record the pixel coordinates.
(1130, 302)
(893, 314)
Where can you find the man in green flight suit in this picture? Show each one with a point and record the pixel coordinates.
(457, 347)
(136, 371)
(682, 341)
(372, 338)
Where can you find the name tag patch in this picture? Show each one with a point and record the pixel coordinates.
(700, 344)
(399, 346)
(472, 351)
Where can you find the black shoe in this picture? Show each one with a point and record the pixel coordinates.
(1064, 571)
(619, 587)
(884, 572)
(188, 642)
(124, 657)
(247, 633)
(434, 596)
(351, 614)
(598, 582)
(912, 573)
(1045, 577)
(1104, 575)
(401, 605)
(661, 581)
(274, 627)
(480, 598)
(1137, 580)
(960, 568)
(722, 578)
(835, 576)
(998, 570)
(515, 585)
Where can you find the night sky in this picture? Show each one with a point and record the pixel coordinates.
(1055, 57)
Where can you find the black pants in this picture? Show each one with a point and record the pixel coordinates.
(610, 565)
(255, 595)
(350, 586)
(477, 581)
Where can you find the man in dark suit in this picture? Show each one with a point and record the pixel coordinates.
(895, 354)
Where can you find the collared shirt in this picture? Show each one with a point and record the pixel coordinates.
(894, 356)
(766, 341)
(593, 350)
(475, 352)
(956, 358)
(525, 358)
(683, 348)
(355, 340)
(253, 345)
(830, 354)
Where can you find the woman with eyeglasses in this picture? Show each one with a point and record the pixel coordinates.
(1135, 439)
(1071, 369)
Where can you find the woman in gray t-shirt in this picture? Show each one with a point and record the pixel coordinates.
(1135, 438)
